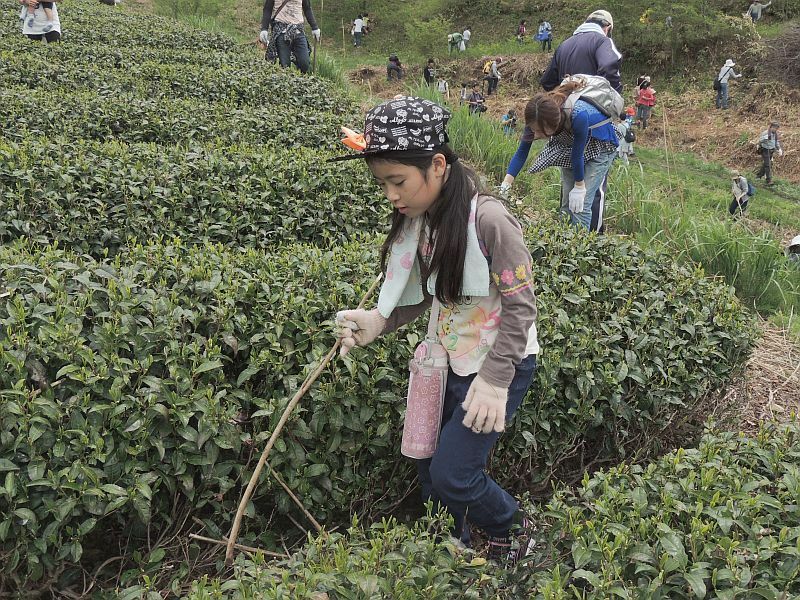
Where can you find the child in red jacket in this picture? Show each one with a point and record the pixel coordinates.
(645, 101)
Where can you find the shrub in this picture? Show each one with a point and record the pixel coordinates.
(721, 521)
(119, 379)
(93, 196)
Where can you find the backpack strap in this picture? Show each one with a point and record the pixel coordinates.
(280, 8)
(569, 106)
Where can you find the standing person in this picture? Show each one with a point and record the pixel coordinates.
(454, 41)
(645, 101)
(37, 24)
(463, 96)
(429, 72)
(493, 78)
(545, 35)
(465, 38)
(283, 33)
(755, 9)
(358, 31)
(741, 194)
(470, 262)
(626, 137)
(394, 68)
(521, 32)
(583, 143)
(589, 51)
(768, 143)
(725, 73)
(444, 88)
(476, 101)
(365, 18)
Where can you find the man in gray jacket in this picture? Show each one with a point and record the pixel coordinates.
(285, 18)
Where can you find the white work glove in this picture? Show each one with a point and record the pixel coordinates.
(358, 327)
(263, 37)
(504, 188)
(780, 151)
(577, 196)
(316, 33)
(485, 406)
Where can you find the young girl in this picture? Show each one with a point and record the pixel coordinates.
(450, 239)
(583, 143)
(645, 101)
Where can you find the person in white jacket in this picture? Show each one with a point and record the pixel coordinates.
(725, 73)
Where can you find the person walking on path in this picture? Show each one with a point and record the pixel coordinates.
(589, 51)
(645, 101)
(283, 34)
(545, 35)
(429, 72)
(725, 73)
(583, 143)
(493, 78)
(456, 249)
(755, 10)
(741, 194)
(768, 143)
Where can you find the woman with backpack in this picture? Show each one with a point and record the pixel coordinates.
(583, 143)
(645, 101)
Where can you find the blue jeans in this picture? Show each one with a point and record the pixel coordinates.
(298, 46)
(455, 477)
(358, 36)
(595, 177)
(722, 95)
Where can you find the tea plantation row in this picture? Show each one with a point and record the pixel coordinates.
(94, 196)
(121, 380)
(722, 521)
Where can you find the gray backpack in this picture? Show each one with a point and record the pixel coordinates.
(598, 92)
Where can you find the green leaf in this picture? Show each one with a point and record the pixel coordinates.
(696, 579)
(209, 365)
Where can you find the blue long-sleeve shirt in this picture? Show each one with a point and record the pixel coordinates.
(583, 116)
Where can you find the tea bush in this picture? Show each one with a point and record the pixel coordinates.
(721, 521)
(107, 115)
(93, 196)
(120, 378)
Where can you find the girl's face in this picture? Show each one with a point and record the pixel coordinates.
(411, 191)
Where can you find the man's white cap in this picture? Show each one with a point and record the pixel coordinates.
(730, 63)
(601, 15)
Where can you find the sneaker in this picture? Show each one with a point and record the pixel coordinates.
(47, 28)
(511, 549)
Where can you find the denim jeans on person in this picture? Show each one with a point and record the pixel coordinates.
(722, 95)
(297, 46)
(358, 36)
(455, 477)
(594, 177)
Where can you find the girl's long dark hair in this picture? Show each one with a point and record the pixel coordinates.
(448, 219)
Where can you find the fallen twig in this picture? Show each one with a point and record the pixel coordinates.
(237, 521)
(226, 542)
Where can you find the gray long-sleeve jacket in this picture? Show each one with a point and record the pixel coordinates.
(590, 53)
(292, 12)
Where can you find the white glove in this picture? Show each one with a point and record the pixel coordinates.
(263, 37)
(485, 406)
(780, 151)
(577, 196)
(504, 188)
(316, 33)
(358, 327)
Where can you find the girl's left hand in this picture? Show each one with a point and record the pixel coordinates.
(485, 406)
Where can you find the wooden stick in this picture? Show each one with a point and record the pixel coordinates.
(309, 516)
(203, 538)
(237, 521)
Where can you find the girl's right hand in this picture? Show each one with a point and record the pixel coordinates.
(358, 328)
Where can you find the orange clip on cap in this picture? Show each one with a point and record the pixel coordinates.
(353, 140)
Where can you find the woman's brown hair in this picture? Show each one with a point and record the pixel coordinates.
(543, 111)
